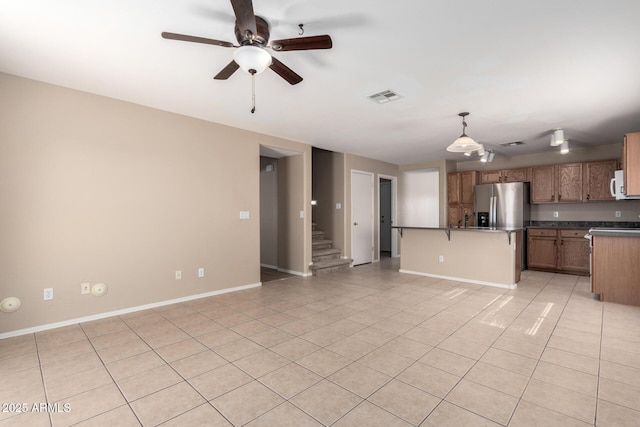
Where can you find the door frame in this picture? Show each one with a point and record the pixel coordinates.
(373, 210)
(394, 213)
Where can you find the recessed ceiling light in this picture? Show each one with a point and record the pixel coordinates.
(384, 96)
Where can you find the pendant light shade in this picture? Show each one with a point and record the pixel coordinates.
(464, 144)
(564, 147)
(252, 59)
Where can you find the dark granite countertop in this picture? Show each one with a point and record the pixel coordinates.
(583, 224)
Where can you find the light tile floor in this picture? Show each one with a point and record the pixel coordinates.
(367, 347)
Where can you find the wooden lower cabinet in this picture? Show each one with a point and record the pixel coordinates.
(457, 213)
(562, 251)
(616, 269)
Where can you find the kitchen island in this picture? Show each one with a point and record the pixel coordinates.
(615, 266)
(481, 255)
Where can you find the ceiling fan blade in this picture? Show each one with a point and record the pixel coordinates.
(185, 38)
(302, 43)
(227, 71)
(245, 18)
(285, 72)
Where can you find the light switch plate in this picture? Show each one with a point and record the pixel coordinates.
(338, 205)
(245, 215)
(201, 272)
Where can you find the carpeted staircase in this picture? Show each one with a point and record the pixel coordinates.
(326, 259)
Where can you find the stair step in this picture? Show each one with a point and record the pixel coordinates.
(321, 244)
(330, 266)
(317, 234)
(325, 254)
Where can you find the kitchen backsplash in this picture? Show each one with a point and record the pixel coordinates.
(629, 211)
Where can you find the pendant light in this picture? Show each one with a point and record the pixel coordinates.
(557, 137)
(464, 144)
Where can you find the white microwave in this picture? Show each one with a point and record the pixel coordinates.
(617, 187)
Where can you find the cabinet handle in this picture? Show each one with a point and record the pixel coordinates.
(554, 242)
(559, 197)
(562, 242)
(588, 196)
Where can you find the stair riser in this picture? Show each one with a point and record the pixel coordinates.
(325, 257)
(322, 246)
(321, 271)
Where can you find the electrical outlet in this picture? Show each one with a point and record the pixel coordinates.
(48, 294)
(178, 274)
(201, 272)
(441, 258)
(618, 214)
(555, 214)
(85, 288)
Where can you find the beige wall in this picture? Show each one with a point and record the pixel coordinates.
(353, 162)
(476, 257)
(99, 190)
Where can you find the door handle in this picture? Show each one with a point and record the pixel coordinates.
(355, 223)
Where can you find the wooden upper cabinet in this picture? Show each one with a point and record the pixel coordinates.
(569, 183)
(490, 177)
(631, 164)
(597, 176)
(516, 175)
(468, 180)
(453, 188)
(543, 184)
(506, 175)
(460, 186)
(556, 183)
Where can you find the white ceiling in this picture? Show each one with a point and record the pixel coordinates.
(521, 68)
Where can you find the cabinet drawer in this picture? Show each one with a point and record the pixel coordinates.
(543, 232)
(573, 233)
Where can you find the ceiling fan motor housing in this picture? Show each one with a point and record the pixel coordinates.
(261, 39)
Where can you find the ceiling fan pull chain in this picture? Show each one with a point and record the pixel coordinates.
(253, 92)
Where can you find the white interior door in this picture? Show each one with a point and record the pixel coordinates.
(362, 216)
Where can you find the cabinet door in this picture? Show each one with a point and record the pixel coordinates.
(569, 183)
(467, 209)
(468, 180)
(597, 176)
(543, 188)
(542, 252)
(515, 175)
(631, 164)
(453, 215)
(453, 188)
(574, 254)
(490, 177)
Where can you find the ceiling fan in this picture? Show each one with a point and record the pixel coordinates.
(252, 34)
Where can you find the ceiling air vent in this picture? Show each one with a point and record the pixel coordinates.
(384, 96)
(512, 144)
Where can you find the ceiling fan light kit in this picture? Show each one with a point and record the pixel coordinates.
(464, 144)
(252, 59)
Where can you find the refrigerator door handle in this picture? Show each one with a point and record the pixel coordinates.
(492, 213)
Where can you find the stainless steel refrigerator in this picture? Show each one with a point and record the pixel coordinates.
(502, 205)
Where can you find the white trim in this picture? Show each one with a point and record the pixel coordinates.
(295, 273)
(460, 279)
(273, 267)
(124, 311)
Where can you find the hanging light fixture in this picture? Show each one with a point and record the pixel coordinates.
(464, 144)
(252, 59)
(557, 137)
(564, 147)
(487, 156)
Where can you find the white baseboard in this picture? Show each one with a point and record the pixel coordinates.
(460, 279)
(295, 273)
(273, 267)
(124, 311)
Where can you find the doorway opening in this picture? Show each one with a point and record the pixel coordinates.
(387, 236)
